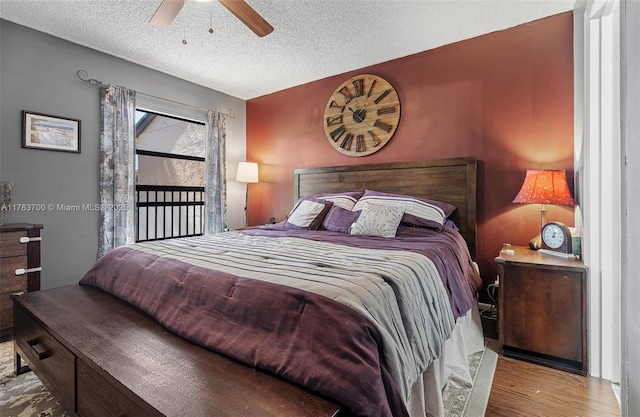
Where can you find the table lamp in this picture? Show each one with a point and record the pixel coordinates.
(544, 187)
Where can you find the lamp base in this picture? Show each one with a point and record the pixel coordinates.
(536, 242)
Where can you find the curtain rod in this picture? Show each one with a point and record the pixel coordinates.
(84, 77)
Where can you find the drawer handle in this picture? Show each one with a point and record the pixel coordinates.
(30, 239)
(40, 353)
(23, 271)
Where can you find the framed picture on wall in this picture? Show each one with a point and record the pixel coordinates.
(53, 133)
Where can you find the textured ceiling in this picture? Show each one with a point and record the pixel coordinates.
(313, 39)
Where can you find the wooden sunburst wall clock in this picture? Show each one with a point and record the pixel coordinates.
(362, 115)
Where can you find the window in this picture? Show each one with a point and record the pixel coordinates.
(170, 176)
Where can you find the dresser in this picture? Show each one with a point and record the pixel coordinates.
(19, 267)
(542, 307)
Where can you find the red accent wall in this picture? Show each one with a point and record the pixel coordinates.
(505, 98)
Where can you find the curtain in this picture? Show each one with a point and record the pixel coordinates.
(117, 171)
(215, 220)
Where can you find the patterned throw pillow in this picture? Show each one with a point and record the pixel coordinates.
(378, 220)
(308, 214)
(420, 212)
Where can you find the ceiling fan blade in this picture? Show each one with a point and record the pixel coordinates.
(166, 13)
(248, 16)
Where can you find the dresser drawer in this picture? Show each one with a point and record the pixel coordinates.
(9, 265)
(98, 396)
(9, 285)
(48, 358)
(10, 244)
(13, 283)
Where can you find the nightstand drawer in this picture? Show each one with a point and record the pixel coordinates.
(48, 358)
(544, 310)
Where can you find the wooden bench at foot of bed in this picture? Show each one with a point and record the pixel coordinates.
(101, 357)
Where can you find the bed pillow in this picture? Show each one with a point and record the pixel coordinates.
(420, 212)
(378, 220)
(308, 214)
(339, 219)
(344, 200)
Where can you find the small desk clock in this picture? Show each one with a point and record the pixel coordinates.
(556, 240)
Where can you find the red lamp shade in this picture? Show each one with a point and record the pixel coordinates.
(545, 187)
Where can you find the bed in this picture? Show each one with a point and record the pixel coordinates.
(378, 324)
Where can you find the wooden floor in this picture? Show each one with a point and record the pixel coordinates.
(523, 389)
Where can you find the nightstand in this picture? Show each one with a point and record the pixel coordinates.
(542, 309)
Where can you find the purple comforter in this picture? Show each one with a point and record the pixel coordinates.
(306, 338)
(446, 249)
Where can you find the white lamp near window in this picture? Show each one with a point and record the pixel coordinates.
(247, 172)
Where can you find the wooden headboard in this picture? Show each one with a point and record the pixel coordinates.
(452, 181)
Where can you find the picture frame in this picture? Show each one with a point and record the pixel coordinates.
(48, 132)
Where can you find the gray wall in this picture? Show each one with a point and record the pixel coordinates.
(38, 73)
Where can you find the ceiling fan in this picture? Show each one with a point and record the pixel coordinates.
(169, 9)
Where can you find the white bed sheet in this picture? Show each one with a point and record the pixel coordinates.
(451, 368)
